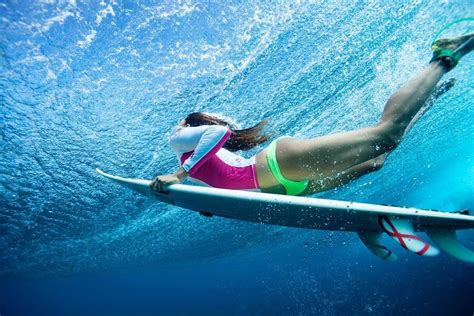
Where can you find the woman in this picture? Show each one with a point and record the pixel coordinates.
(205, 143)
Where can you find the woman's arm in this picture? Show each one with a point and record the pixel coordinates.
(161, 182)
(204, 141)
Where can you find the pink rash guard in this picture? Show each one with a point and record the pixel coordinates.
(200, 152)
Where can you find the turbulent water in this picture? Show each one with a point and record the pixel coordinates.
(101, 84)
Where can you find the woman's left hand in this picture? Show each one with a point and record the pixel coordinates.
(161, 182)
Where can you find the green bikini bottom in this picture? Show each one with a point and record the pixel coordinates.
(291, 187)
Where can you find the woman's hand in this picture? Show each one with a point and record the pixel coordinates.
(161, 182)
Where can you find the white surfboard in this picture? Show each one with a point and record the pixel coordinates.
(368, 220)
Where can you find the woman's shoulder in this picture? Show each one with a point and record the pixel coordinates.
(187, 137)
(196, 129)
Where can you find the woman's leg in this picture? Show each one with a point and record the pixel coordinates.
(329, 155)
(377, 163)
(346, 176)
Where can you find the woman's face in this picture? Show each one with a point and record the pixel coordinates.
(182, 123)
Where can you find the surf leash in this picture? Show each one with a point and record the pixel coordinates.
(447, 26)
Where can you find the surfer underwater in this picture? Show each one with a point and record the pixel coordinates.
(205, 143)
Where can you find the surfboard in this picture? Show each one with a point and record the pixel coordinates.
(368, 220)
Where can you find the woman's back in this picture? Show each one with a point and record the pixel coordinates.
(201, 153)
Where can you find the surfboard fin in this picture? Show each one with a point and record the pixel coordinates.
(372, 241)
(401, 230)
(463, 211)
(446, 239)
(205, 214)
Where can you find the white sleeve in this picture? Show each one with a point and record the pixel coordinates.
(204, 140)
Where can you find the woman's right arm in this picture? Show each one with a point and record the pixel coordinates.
(203, 141)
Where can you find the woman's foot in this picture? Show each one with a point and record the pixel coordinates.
(465, 48)
(451, 43)
(450, 51)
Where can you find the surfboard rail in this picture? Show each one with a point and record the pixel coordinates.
(370, 221)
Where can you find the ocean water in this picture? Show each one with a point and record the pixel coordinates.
(101, 84)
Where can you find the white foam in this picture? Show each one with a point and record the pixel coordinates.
(104, 13)
(180, 11)
(60, 19)
(51, 75)
(87, 40)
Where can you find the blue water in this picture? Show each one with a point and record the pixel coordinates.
(101, 84)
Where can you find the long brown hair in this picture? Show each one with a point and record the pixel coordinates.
(240, 139)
